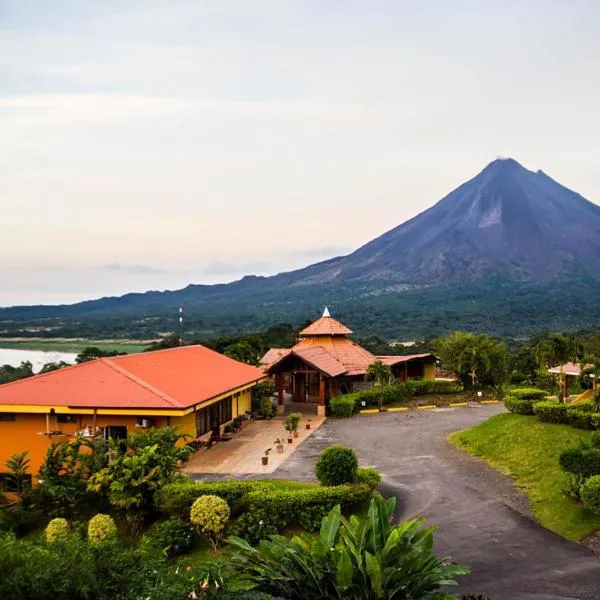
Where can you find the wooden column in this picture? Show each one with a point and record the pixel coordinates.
(279, 387)
(322, 398)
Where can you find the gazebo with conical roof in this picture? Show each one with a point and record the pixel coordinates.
(326, 362)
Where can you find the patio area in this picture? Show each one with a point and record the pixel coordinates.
(242, 454)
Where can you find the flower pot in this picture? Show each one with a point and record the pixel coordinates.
(265, 460)
(290, 440)
(308, 426)
(280, 448)
(296, 434)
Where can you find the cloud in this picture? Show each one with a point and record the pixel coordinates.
(134, 269)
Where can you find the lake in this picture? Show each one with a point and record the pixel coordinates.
(38, 358)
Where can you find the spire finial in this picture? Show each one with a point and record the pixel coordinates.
(326, 312)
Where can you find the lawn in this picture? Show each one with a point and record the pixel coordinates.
(528, 450)
(76, 346)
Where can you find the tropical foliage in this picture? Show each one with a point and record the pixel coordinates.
(356, 558)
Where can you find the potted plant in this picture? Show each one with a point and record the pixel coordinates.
(266, 408)
(279, 445)
(294, 419)
(289, 427)
(265, 458)
(308, 423)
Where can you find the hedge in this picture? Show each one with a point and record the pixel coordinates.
(343, 406)
(267, 512)
(176, 499)
(389, 394)
(590, 493)
(580, 460)
(578, 415)
(519, 406)
(529, 394)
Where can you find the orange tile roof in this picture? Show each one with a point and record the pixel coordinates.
(325, 326)
(176, 378)
(321, 359)
(354, 357)
(273, 355)
(396, 360)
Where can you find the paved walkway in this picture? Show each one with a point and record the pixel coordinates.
(242, 454)
(483, 521)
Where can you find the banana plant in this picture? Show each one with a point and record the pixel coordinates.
(360, 558)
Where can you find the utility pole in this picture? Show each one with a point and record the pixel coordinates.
(181, 325)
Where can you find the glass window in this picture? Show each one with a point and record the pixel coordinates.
(8, 417)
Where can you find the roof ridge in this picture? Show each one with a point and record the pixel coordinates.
(141, 382)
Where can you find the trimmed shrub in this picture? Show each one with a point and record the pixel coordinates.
(210, 514)
(101, 528)
(369, 476)
(580, 460)
(336, 465)
(57, 529)
(172, 536)
(343, 406)
(269, 512)
(400, 392)
(529, 394)
(550, 411)
(579, 418)
(517, 406)
(590, 493)
(176, 499)
(595, 439)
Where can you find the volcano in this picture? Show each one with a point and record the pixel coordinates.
(510, 251)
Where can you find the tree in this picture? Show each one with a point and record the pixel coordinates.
(356, 558)
(243, 352)
(18, 477)
(475, 359)
(137, 469)
(10, 373)
(380, 374)
(54, 366)
(93, 352)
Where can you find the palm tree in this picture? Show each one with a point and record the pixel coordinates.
(380, 374)
(357, 558)
(18, 476)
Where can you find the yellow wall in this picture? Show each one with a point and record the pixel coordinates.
(429, 374)
(26, 431)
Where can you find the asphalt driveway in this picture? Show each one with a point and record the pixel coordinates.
(483, 522)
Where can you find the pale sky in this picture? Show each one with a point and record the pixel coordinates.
(154, 143)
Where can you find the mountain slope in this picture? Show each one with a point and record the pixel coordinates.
(507, 221)
(510, 251)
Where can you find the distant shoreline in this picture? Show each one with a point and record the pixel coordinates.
(75, 345)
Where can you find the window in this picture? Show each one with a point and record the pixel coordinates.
(66, 419)
(213, 416)
(8, 417)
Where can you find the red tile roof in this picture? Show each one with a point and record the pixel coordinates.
(325, 326)
(169, 379)
(568, 369)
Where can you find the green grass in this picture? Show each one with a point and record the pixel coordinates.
(76, 346)
(528, 450)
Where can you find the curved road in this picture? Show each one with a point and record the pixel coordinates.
(483, 521)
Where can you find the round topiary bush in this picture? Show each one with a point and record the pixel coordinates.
(210, 514)
(101, 528)
(336, 465)
(368, 476)
(57, 529)
(590, 493)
